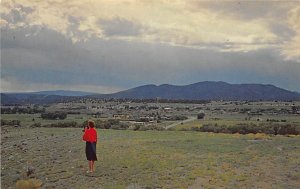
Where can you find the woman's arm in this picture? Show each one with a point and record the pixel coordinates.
(85, 135)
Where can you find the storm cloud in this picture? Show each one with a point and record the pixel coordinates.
(120, 27)
(111, 51)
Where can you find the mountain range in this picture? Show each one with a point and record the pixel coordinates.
(207, 90)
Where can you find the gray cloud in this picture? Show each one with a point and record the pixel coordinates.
(277, 11)
(120, 27)
(49, 57)
(282, 30)
(17, 14)
(73, 31)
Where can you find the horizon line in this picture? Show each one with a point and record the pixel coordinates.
(157, 85)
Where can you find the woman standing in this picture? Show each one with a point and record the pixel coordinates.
(90, 136)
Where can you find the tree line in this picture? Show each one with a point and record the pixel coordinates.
(22, 110)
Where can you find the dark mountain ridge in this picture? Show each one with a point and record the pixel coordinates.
(207, 90)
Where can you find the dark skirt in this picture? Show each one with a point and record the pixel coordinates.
(90, 151)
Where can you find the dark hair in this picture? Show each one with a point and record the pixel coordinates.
(91, 124)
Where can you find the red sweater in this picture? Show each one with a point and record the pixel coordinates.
(90, 135)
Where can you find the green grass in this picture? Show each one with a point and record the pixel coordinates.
(27, 119)
(153, 159)
(231, 120)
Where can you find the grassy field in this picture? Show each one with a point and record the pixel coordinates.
(150, 159)
(231, 120)
(29, 119)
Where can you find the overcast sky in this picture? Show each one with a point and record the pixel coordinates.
(106, 46)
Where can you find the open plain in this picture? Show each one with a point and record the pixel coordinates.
(150, 159)
(36, 154)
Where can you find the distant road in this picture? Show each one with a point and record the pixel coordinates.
(179, 122)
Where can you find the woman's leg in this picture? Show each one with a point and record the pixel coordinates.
(90, 166)
(93, 165)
